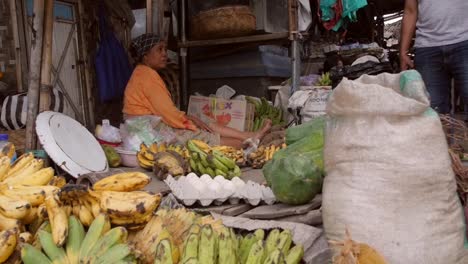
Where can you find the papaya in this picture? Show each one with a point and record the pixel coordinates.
(113, 158)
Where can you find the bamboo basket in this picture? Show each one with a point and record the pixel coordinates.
(456, 132)
(18, 138)
(223, 22)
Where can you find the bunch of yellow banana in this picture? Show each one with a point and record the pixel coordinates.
(100, 244)
(235, 154)
(146, 155)
(162, 147)
(206, 160)
(123, 182)
(263, 154)
(24, 187)
(130, 209)
(77, 201)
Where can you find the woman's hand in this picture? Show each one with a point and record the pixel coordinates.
(200, 124)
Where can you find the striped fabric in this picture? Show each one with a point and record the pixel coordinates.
(15, 107)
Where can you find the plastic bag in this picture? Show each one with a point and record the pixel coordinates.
(295, 174)
(107, 132)
(139, 130)
(296, 133)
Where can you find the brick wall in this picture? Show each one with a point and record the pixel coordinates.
(7, 52)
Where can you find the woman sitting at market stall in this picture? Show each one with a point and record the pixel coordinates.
(146, 94)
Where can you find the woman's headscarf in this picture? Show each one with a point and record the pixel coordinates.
(144, 43)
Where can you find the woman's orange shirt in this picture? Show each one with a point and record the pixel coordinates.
(146, 94)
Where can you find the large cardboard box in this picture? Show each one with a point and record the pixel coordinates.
(237, 114)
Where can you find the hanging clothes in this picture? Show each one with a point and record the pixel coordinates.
(113, 68)
(336, 14)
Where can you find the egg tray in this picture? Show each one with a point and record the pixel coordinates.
(206, 190)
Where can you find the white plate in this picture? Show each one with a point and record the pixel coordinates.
(69, 144)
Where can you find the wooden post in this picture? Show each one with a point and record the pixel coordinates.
(87, 92)
(46, 71)
(16, 40)
(23, 36)
(34, 73)
(149, 16)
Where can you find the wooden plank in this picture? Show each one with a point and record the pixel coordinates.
(224, 41)
(219, 209)
(282, 210)
(235, 211)
(225, 209)
(313, 218)
(34, 73)
(87, 91)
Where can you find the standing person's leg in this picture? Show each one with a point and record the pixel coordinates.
(458, 59)
(430, 63)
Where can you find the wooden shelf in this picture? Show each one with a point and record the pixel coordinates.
(225, 41)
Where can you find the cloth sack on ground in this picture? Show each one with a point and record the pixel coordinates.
(389, 177)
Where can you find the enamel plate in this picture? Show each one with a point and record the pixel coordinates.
(69, 144)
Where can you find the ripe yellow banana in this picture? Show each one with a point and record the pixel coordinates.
(144, 162)
(38, 178)
(85, 215)
(129, 204)
(146, 152)
(28, 175)
(123, 182)
(35, 195)
(7, 244)
(58, 181)
(13, 208)
(20, 163)
(201, 144)
(30, 217)
(5, 164)
(122, 221)
(93, 204)
(58, 219)
(154, 147)
(26, 237)
(75, 205)
(8, 223)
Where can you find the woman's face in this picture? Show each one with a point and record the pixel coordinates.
(156, 57)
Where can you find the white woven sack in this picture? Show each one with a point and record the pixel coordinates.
(389, 177)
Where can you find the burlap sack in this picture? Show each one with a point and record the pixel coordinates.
(389, 177)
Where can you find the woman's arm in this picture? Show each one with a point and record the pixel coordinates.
(199, 123)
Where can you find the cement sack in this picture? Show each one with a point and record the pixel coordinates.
(388, 172)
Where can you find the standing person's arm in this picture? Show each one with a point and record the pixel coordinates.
(408, 26)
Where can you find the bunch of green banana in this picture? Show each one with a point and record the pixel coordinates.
(263, 111)
(324, 80)
(205, 160)
(275, 249)
(99, 244)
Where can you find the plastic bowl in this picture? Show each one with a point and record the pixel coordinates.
(128, 157)
(102, 142)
